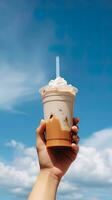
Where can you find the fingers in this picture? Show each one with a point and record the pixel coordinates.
(74, 131)
(75, 139)
(75, 148)
(40, 132)
(76, 120)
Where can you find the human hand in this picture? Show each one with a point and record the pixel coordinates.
(56, 161)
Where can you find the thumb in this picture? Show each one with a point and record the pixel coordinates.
(40, 133)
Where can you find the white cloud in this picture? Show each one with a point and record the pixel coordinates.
(26, 156)
(94, 163)
(19, 176)
(15, 144)
(94, 198)
(100, 140)
(17, 86)
(92, 167)
(12, 177)
(17, 190)
(66, 186)
(89, 173)
(68, 190)
(71, 196)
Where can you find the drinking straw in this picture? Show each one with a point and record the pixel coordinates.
(57, 67)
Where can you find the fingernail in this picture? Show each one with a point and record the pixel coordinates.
(74, 127)
(42, 120)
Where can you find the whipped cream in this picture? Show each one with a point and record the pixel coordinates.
(58, 84)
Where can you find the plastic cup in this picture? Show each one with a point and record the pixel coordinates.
(58, 109)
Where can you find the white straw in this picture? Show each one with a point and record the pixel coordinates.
(57, 67)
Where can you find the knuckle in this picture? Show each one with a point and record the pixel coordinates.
(37, 148)
(76, 148)
(37, 129)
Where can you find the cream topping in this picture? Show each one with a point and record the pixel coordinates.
(58, 84)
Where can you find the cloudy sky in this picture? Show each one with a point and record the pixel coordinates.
(32, 33)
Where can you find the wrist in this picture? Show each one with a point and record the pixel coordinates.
(45, 187)
(47, 173)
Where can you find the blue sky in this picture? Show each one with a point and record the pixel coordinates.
(32, 33)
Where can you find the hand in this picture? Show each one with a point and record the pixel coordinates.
(56, 161)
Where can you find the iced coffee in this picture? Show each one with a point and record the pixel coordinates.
(58, 101)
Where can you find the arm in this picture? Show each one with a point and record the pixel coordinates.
(45, 187)
(53, 164)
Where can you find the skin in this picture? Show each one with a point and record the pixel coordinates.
(53, 163)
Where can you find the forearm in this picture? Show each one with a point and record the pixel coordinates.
(45, 187)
